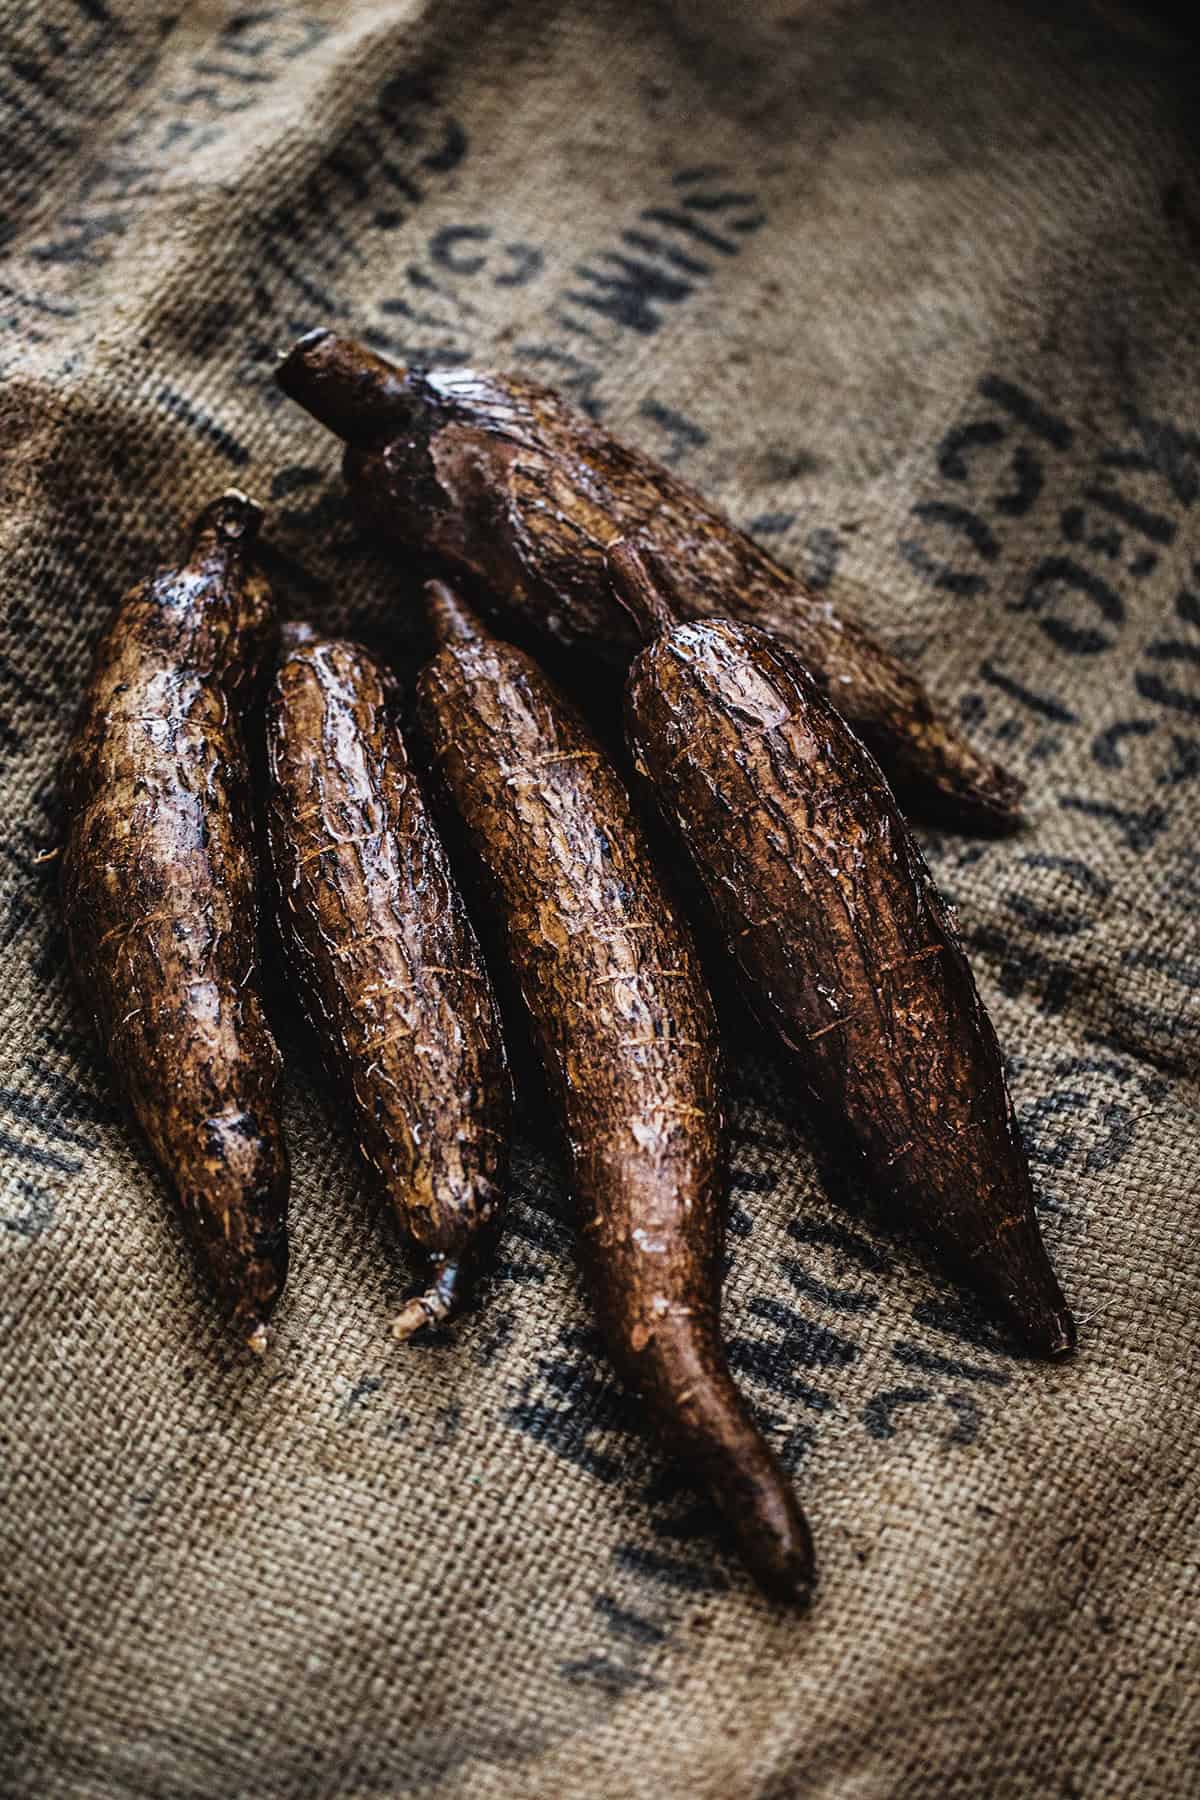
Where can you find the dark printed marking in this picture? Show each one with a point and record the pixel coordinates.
(1137, 830)
(951, 452)
(1028, 479)
(969, 1419)
(197, 420)
(628, 290)
(975, 529)
(1056, 1152)
(1185, 765)
(1162, 962)
(1104, 745)
(848, 1300)
(1165, 451)
(1152, 1086)
(671, 253)
(612, 1678)
(807, 1344)
(1043, 704)
(913, 1357)
(362, 1390)
(634, 287)
(840, 1237)
(670, 1572)
(37, 1158)
(683, 434)
(822, 553)
(878, 1413)
(1153, 525)
(589, 1404)
(1063, 572)
(1026, 411)
(1020, 967)
(768, 1365)
(961, 1318)
(626, 1624)
(35, 1215)
(573, 374)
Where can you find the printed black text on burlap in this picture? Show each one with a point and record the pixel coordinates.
(912, 293)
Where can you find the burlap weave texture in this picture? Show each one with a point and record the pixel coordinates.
(912, 290)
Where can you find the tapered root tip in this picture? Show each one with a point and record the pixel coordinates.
(965, 790)
(1054, 1337)
(1008, 790)
(995, 801)
(259, 1340)
(744, 1477)
(451, 620)
(780, 1555)
(1064, 1340)
(1035, 1304)
(436, 1305)
(347, 388)
(791, 1583)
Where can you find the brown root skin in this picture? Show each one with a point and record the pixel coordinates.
(843, 944)
(353, 393)
(713, 1432)
(377, 940)
(516, 490)
(640, 587)
(160, 897)
(611, 986)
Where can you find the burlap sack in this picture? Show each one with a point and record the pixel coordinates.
(912, 290)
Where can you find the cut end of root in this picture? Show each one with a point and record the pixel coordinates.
(232, 518)
(357, 395)
(259, 1340)
(308, 342)
(436, 1305)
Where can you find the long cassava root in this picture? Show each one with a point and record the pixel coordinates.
(843, 943)
(611, 986)
(503, 480)
(159, 898)
(390, 971)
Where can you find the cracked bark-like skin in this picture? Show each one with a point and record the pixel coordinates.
(626, 1035)
(503, 479)
(844, 945)
(160, 902)
(391, 973)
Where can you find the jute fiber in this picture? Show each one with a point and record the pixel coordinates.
(912, 290)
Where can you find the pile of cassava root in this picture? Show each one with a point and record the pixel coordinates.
(798, 861)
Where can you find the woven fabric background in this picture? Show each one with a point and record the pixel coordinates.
(912, 289)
